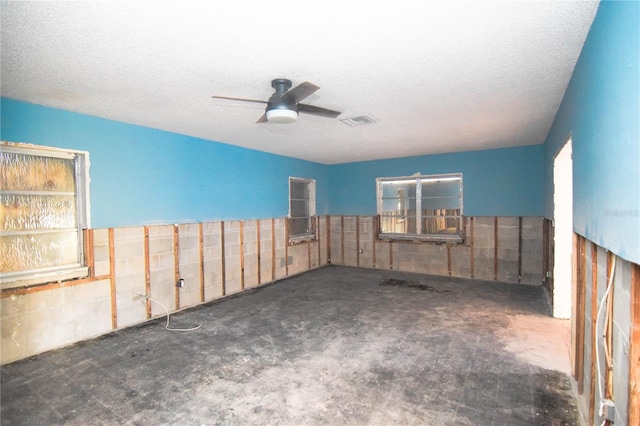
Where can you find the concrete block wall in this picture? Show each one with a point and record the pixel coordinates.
(507, 249)
(214, 259)
(594, 266)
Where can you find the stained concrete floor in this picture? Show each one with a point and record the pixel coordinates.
(336, 345)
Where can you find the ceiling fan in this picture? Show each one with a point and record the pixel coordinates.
(284, 105)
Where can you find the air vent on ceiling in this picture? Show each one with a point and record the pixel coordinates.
(359, 120)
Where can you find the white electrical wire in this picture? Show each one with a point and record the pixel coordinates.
(144, 296)
(602, 303)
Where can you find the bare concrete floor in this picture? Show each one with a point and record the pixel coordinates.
(337, 345)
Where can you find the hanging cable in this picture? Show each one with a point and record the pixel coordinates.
(146, 297)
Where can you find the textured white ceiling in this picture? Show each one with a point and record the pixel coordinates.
(439, 76)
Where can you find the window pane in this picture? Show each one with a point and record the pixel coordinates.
(299, 190)
(299, 226)
(21, 172)
(441, 222)
(440, 194)
(24, 212)
(25, 252)
(299, 208)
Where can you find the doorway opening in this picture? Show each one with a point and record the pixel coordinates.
(563, 231)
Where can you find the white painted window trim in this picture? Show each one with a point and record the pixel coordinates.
(312, 210)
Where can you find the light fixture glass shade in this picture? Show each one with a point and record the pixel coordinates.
(281, 116)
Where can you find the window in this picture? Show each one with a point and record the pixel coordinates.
(43, 210)
(302, 209)
(421, 207)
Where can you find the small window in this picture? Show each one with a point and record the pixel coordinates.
(43, 211)
(302, 209)
(421, 207)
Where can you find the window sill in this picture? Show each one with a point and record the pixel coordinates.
(44, 277)
(301, 239)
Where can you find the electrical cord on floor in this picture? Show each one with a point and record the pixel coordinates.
(144, 296)
(602, 304)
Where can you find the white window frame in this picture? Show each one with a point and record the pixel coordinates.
(65, 272)
(311, 234)
(418, 235)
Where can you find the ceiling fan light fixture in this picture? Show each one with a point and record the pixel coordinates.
(281, 116)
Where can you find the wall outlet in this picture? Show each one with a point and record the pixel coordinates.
(180, 283)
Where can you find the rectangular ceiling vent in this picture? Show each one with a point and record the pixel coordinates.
(359, 120)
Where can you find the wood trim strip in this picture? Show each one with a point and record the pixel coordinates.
(594, 333)
(608, 334)
(495, 248)
(176, 263)
(201, 255)
(519, 249)
(545, 252)
(223, 261)
(308, 255)
(147, 272)
(634, 348)
(258, 236)
(318, 239)
(112, 279)
(449, 259)
(21, 291)
(241, 225)
(375, 228)
(390, 254)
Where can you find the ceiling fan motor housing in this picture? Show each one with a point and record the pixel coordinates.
(286, 111)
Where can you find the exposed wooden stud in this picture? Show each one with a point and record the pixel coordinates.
(358, 241)
(308, 255)
(519, 249)
(201, 259)
(89, 250)
(328, 239)
(286, 247)
(147, 272)
(594, 333)
(608, 334)
(273, 250)
(112, 280)
(390, 254)
(581, 287)
(223, 262)
(342, 239)
(449, 259)
(545, 252)
(241, 255)
(259, 253)
(495, 248)
(634, 348)
(318, 240)
(176, 263)
(374, 232)
(472, 260)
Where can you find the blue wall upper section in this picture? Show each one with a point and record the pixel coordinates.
(499, 182)
(142, 176)
(600, 110)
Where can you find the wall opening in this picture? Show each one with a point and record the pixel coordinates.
(563, 231)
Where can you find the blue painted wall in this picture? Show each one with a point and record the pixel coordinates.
(500, 182)
(601, 111)
(144, 176)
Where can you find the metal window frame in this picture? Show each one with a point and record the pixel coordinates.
(311, 186)
(63, 272)
(418, 179)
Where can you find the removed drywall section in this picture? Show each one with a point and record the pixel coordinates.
(507, 249)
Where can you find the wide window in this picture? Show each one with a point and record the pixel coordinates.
(43, 210)
(302, 209)
(421, 207)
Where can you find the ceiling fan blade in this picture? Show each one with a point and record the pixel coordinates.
(300, 92)
(229, 98)
(314, 110)
(262, 119)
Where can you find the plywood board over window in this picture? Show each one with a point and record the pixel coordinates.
(43, 212)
